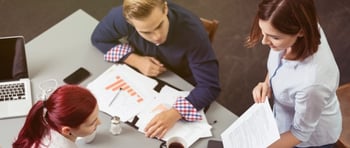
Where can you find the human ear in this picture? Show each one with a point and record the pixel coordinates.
(65, 130)
(300, 33)
(165, 9)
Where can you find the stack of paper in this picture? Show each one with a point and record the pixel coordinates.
(122, 91)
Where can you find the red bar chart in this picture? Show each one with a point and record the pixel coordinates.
(121, 84)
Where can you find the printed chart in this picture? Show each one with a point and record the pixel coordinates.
(120, 84)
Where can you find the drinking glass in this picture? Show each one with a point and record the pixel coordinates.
(46, 88)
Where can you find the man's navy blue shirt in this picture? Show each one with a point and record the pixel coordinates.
(187, 50)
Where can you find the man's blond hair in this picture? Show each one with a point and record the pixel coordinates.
(138, 9)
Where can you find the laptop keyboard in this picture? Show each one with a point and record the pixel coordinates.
(13, 91)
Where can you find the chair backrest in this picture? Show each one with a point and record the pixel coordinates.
(211, 27)
(343, 93)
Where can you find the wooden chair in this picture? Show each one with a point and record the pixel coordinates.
(343, 93)
(211, 27)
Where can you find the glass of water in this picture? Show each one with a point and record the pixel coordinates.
(46, 88)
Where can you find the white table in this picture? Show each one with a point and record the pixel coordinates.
(64, 48)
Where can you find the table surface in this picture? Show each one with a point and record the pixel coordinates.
(64, 48)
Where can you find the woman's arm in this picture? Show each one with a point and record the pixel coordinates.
(286, 140)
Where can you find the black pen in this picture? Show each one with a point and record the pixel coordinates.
(116, 95)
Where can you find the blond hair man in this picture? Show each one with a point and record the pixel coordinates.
(162, 36)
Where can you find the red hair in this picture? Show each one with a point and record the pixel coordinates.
(69, 105)
(289, 17)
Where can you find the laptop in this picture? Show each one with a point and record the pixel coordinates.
(15, 91)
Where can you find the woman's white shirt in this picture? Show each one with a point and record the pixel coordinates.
(305, 95)
(56, 140)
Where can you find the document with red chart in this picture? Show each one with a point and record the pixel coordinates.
(122, 91)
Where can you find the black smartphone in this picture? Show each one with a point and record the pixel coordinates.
(215, 144)
(77, 76)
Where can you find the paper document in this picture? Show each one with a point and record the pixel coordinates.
(190, 131)
(255, 128)
(123, 92)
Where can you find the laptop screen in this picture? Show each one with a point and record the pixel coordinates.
(13, 63)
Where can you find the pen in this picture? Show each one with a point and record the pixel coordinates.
(116, 95)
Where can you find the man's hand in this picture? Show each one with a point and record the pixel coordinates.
(161, 123)
(148, 66)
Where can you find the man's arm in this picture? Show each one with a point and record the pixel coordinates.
(205, 70)
(109, 30)
(106, 38)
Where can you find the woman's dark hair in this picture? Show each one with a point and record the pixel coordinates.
(289, 17)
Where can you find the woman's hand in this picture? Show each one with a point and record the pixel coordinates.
(260, 92)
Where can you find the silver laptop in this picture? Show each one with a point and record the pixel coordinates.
(15, 91)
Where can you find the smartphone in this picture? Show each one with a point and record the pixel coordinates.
(215, 144)
(77, 76)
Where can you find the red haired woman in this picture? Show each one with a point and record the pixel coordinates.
(70, 112)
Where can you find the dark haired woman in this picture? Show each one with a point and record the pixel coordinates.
(302, 74)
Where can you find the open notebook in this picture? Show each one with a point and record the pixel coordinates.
(15, 91)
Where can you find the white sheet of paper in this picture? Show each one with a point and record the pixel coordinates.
(137, 91)
(255, 128)
(190, 131)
